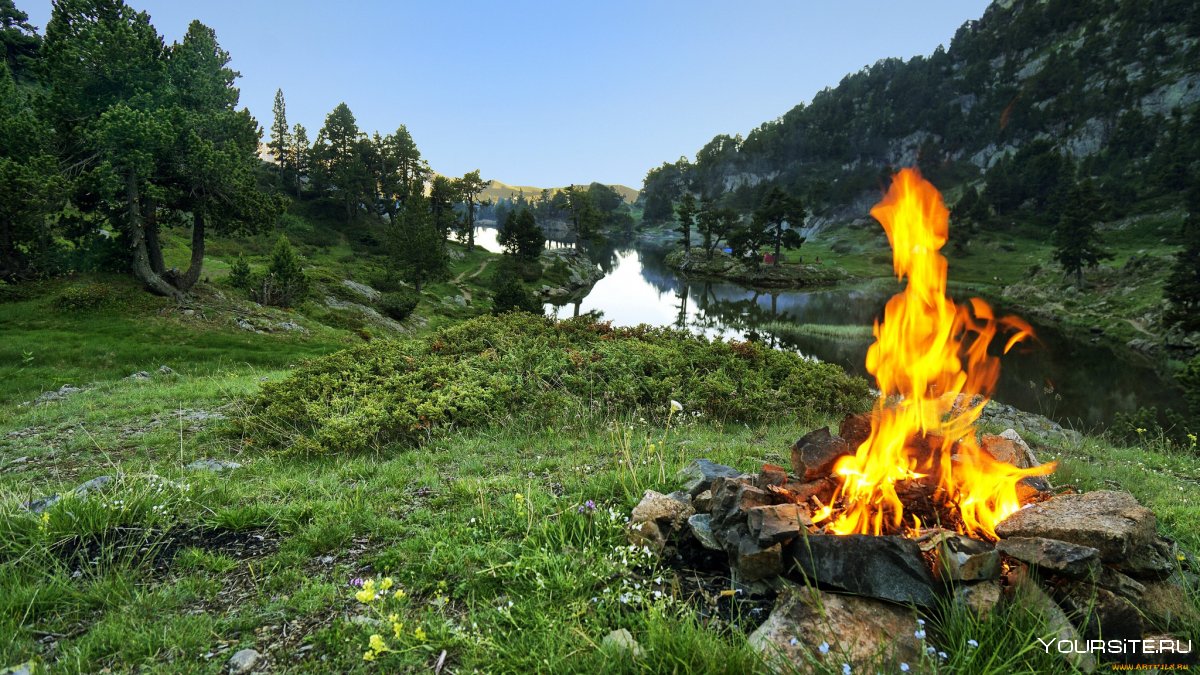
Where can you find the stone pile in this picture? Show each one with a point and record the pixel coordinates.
(1092, 563)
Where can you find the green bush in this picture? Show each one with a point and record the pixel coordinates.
(239, 273)
(84, 297)
(284, 283)
(525, 368)
(398, 304)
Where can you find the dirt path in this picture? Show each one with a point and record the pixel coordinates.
(460, 280)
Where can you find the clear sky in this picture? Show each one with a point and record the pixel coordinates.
(555, 92)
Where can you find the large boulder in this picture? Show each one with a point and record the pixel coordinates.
(1111, 522)
(807, 624)
(814, 455)
(887, 568)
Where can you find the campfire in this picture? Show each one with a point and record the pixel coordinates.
(908, 503)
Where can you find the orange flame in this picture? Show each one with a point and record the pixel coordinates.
(928, 352)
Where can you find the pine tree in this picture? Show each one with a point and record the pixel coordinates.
(685, 213)
(418, 248)
(1182, 289)
(281, 141)
(781, 215)
(299, 155)
(1076, 242)
(18, 39)
(441, 204)
(520, 235)
(338, 161)
(467, 189)
(715, 224)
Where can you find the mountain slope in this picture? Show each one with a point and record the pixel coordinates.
(1108, 87)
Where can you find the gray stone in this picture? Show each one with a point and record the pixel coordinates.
(215, 465)
(699, 475)
(732, 498)
(1053, 555)
(981, 598)
(1122, 585)
(963, 559)
(27, 668)
(703, 501)
(95, 484)
(755, 562)
(140, 375)
(1026, 593)
(63, 392)
(1113, 523)
(815, 453)
(1155, 559)
(655, 518)
(291, 326)
(245, 325)
(243, 662)
(887, 568)
(41, 504)
(165, 370)
(364, 290)
(621, 641)
(701, 527)
(1100, 613)
(1166, 606)
(778, 523)
(861, 631)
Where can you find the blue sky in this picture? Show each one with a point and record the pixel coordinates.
(552, 93)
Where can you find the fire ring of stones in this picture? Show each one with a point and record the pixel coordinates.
(1092, 564)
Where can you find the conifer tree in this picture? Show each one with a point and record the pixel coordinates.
(468, 189)
(281, 141)
(685, 213)
(1076, 242)
(781, 215)
(1182, 289)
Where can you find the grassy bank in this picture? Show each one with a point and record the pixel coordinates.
(507, 538)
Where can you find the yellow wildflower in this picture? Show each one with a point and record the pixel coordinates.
(377, 643)
(369, 585)
(368, 655)
(398, 629)
(365, 596)
(385, 584)
(399, 594)
(519, 497)
(393, 617)
(419, 633)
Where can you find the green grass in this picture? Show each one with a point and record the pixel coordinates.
(443, 521)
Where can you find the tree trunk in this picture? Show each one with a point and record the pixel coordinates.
(153, 244)
(778, 246)
(470, 227)
(142, 268)
(192, 275)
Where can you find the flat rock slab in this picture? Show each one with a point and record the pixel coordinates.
(699, 475)
(1053, 555)
(778, 523)
(860, 631)
(814, 455)
(656, 517)
(887, 568)
(1113, 523)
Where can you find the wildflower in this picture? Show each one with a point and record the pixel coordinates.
(366, 596)
(1140, 430)
(904, 667)
(399, 594)
(368, 655)
(398, 629)
(942, 656)
(823, 648)
(845, 669)
(920, 622)
(519, 497)
(930, 650)
(386, 583)
(972, 643)
(356, 582)
(419, 633)
(676, 406)
(393, 617)
(377, 644)
(793, 642)
(919, 634)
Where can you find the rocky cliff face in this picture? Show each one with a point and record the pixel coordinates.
(1105, 82)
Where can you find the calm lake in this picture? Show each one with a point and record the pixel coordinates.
(1073, 381)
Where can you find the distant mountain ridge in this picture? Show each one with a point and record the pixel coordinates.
(498, 190)
(1109, 89)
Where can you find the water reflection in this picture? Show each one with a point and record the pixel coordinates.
(1068, 380)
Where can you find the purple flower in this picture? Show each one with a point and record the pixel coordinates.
(356, 582)
(588, 506)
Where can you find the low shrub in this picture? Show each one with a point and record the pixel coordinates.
(284, 282)
(524, 368)
(239, 273)
(83, 297)
(398, 304)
